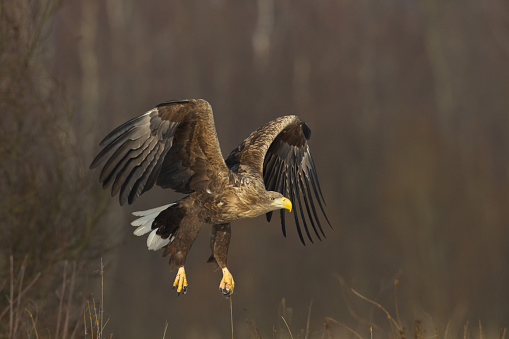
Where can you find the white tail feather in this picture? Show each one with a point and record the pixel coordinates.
(143, 229)
(155, 242)
(144, 225)
(145, 219)
(153, 210)
(152, 239)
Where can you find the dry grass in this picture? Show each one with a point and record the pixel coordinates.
(23, 320)
(22, 314)
(364, 328)
(94, 316)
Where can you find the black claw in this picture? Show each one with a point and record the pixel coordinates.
(225, 291)
(183, 291)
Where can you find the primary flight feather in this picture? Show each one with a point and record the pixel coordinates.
(175, 146)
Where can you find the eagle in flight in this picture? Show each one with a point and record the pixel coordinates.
(175, 146)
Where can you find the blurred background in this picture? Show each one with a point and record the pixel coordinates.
(408, 103)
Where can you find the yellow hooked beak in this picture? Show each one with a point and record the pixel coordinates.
(284, 203)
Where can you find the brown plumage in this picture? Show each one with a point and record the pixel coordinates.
(175, 146)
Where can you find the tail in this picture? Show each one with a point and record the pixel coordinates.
(144, 225)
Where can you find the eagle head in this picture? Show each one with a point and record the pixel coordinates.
(275, 201)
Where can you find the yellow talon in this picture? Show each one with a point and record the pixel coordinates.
(180, 281)
(227, 284)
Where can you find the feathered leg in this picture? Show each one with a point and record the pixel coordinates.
(219, 243)
(182, 225)
(178, 250)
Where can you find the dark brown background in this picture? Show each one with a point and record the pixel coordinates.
(408, 103)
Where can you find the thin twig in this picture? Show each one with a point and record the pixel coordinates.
(309, 319)
(396, 283)
(18, 299)
(96, 317)
(379, 306)
(11, 300)
(102, 329)
(343, 290)
(33, 323)
(61, 301)
(165, 328)
(288, 327)
(346, 327)
(85, 320)
(69, 301)
(101, 309)
(22, 293)
(231, 313)
(91, 322)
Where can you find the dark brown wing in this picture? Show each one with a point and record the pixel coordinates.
(173, 145)
(279, 153)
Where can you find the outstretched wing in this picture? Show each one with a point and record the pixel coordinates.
(279, 153)
(173, 145)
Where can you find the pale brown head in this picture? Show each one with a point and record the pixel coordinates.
(272, 201)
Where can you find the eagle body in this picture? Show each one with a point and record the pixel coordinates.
(175, 146)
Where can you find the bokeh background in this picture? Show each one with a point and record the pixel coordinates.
(408, 103)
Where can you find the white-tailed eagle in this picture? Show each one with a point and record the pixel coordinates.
(175, 146)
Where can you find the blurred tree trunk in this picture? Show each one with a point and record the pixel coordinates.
(90, 85)
(262, 33)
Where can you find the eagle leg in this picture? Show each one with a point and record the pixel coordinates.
(227, 284)
(180, 281)
(219, 243)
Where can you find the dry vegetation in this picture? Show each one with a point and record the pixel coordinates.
(48, 210)
(394, 328)
(367, 327)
